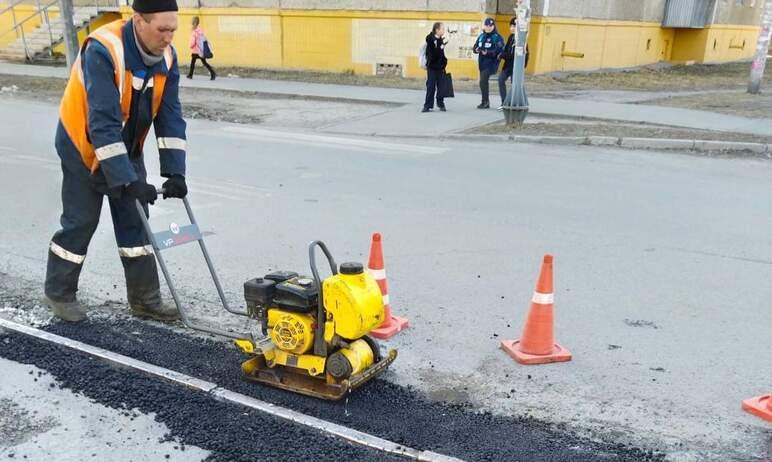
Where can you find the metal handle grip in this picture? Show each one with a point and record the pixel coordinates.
(212, 272)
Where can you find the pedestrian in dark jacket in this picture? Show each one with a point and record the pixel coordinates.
(436, 62)
(508, 56)
(488, 47)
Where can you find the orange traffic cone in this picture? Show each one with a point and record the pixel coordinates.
(537, 345)
(392, 325)
(760, 406)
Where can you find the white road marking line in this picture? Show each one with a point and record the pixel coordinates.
(369, 145)
(35, 159)
(348, 434)
(245, 186)
(293, 142)
(198, 189)
(7, 148)
(10, 160)
(27, 164)
(230, 187)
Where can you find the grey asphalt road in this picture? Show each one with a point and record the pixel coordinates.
(662, 263)
(40, 421)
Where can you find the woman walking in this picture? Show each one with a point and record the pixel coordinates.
(436, 62)
(197, 39)
(508, 56)
(488, 47)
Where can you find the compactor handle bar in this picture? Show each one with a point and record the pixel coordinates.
(180, 235)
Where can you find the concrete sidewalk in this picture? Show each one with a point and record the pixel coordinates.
(462, 114)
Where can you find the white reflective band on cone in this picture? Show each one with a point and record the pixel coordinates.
(134, 252)
(65, 254)
(171, 143)
(111, 150)
(378, 274)
(386, 299)
(543, 299)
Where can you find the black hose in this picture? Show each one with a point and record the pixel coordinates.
(320, 347)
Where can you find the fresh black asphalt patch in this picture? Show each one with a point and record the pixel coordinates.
(229, 431)
(381, 408)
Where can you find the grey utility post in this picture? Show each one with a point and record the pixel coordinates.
(515, 105)
(762, 49)
(70, 34)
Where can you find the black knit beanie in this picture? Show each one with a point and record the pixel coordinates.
(154, 6)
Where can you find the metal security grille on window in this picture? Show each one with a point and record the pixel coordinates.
(693, 14)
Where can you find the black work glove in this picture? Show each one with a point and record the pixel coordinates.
(143, 192)
(175, 187)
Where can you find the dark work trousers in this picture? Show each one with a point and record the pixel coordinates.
(82, 205)
(193, 59)
(504, 76)
(433, 77)
(485, 76)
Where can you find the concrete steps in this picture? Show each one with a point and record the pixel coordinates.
(39, 43)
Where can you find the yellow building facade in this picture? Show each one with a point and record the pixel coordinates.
(372, 42)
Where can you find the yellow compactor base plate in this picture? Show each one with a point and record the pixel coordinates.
(295, 380)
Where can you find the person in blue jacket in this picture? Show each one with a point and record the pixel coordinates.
(488, 47)
(125, 80)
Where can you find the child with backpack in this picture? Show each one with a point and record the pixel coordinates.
(199, 48)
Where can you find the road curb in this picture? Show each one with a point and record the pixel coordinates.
(668, 144)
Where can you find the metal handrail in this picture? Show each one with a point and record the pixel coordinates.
(10, 7)
(18, 26)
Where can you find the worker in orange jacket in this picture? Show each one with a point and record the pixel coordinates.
(125, 79)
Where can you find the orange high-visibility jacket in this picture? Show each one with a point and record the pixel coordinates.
(99, 113)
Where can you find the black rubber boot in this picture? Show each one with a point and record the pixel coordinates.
(66, 311)
(143, 290)
(160, 312)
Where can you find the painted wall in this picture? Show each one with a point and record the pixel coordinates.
(603, 44)
(715, 44)
(472, 6)
(617, 10)
(22, 12)
(348, 41)
(360, 39)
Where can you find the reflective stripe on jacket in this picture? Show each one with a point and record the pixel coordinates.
(100, 109)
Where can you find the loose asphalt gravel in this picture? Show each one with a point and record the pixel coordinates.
(229, 431)
(380, 408)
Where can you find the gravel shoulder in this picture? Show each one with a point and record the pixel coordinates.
(655, 78)
(546, 126)
(738, 103)
(222, 106)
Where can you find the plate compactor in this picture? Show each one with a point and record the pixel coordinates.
(314, 332)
